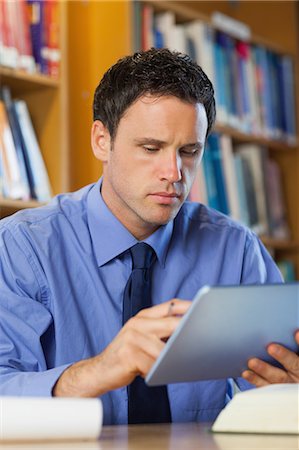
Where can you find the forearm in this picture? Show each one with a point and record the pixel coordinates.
(37, 384)
(82, 379)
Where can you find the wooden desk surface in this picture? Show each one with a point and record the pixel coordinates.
(171, 437)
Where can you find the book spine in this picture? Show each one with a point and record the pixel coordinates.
(37, 32)
(40, 176)
(15, 185)
(13, 123)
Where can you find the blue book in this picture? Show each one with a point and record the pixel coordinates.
(209, 173)
(288, 98)
(216, 156)
(230, 75)
(38, 33)
(265, 92)
(221, 93)
(276, 104)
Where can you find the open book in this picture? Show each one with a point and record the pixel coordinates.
(269, 409)
(44, 418)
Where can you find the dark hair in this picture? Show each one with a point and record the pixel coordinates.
(157, 72)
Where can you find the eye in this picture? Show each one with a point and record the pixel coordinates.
(150, 149)
(190, 152)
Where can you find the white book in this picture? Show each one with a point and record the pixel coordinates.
(49, 418)
(202, 37)
(230, 176)
(255, 155)
(177, 39)
(269, 409)
(16, 188)
(42, 185)
(165, 22)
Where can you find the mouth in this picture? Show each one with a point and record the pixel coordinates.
(165, 198)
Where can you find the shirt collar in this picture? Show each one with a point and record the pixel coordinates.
(110, 237)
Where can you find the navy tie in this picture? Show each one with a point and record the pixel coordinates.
(145, 404)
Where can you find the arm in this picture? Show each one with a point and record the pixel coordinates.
(24, 319)
(131, 353)
(27, 344)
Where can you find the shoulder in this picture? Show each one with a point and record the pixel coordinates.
(60, 212)
(195, 216)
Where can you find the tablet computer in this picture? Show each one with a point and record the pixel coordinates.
(223, 328)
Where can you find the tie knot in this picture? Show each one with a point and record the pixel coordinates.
(142, 256)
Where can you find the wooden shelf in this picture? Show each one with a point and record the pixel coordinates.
(21, 81)
(244, 137)
(9, 206)
(280, 244)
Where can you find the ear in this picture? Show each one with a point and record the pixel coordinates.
(100, 141)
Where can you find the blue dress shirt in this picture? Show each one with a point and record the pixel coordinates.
(63, 270)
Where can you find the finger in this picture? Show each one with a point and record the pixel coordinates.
(149, 344)
(297, 336)
(253, 378)
(129, 354)
(288, 359)
(268, 372)
(172, 307)
(161, 327)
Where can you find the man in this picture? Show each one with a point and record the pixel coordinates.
(65, 267)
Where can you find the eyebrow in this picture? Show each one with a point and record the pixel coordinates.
(158, 142)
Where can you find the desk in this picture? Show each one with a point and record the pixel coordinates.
(189, 436)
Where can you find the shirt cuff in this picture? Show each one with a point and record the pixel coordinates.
(35, 384)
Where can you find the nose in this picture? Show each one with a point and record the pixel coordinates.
(171, 167)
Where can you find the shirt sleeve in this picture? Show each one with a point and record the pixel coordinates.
(24, 319)
(258, 268)
(258, 265)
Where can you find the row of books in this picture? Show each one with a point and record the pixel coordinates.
(244, 182)
(29, 35)
(254, 87)
(23, 175)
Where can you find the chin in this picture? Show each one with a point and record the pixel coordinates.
(163, 217)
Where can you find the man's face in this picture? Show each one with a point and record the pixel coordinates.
(150, 166)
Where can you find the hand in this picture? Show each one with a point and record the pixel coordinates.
(261, 373)
(132, 352)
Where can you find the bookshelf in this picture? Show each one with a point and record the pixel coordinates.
(47, 101)
(274, 25)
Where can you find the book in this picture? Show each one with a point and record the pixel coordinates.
(37, 32)
(217, 161)
(230, 176)
(147, 27)
(255, 157)
(269, 409)
(22, 36)
(52, 30)
(9, 53)
(200, 39)
(42, 186)
(48, 418)
(15, 187)
(277, 214)
(16, 134)
(210, 178)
